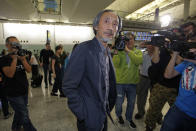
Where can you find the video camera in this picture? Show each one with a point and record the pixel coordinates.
(175, 42)
(20, 51)
(120, 41)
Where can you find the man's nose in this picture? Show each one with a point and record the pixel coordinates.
(110, 26)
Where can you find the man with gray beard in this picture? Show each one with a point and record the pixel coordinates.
(89, 80)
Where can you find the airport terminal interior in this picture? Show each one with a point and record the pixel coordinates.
(61, 24)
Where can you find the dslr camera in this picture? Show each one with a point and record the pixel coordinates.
(20, 51)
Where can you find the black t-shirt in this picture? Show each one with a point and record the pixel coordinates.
(63, 57)
(156, 71)
(45, 55)
(18, 85)
(57, 65)
(2, 89)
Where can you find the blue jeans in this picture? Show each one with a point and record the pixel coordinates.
(176, 120)
(130, 91)
(21, 115)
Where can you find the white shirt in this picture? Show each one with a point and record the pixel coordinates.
(145, 64)
(33, 60)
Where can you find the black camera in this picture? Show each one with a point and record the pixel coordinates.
(20, 51)
(120, 42)
(174, 42)
(23, 52)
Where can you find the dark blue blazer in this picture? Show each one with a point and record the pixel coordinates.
(84, 85)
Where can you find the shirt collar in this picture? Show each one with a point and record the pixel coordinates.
(103, 49)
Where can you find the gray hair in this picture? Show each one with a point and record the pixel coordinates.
(128, 34)
(98, 17)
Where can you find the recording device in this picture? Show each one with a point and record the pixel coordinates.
(173, 42)
(20, 51)
(120, 41)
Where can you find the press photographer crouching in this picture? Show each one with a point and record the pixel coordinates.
(13, 68)
(182, 115)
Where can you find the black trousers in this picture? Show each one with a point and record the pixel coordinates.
(46, 72)
(81, 126)
(5, 106)
(57, 82)
(34, 71)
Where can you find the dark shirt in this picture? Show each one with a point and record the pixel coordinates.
(156, 71)
(45, 55)
(63, 57)
(2, 90)
(18, 85)
(57, 64)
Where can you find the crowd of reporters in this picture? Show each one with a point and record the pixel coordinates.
(136, 74)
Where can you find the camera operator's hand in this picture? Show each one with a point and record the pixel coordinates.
(54, 75)
(193, 50)
(175, 53)
(14, 56)
(21, 58)
(25, 63)
(127, 49)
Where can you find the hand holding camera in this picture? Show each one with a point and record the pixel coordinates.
(127, 49)
(21, 58)
(14, 56)
(54, 75)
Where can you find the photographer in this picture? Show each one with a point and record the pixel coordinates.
(127, 63)
(16, 83)
(182, 115)
(163, 90)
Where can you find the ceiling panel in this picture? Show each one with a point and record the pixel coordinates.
(78, 11)
(126, 7)
(83, 10)
(16, 9)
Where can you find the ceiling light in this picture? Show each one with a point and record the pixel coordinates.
(50, 20)
(165, 20)
(149, 9)
(66, 21)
